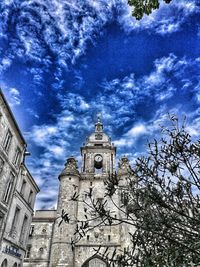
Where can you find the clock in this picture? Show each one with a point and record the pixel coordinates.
(98, 159)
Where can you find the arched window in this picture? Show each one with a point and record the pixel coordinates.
(94, 262)
(4, 263)
(15, 264)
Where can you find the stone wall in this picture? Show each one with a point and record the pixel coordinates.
(16, 209)
(40, 239)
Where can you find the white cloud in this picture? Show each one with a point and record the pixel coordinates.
(14, 97)
(118, 101)
(65, 28)
(5, 63)
(165, 20)
(57, 151)
(42, 134)
(193, 124)
(123, 142)
(136, 130)
(131, 136)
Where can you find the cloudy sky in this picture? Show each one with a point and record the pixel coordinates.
(64, 61)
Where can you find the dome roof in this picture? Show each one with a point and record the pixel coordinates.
(71, 168)
(98, 136)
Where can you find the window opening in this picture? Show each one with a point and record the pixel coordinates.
(84, 159)
(23, 231)
(23, 188)
(28, 251)
(7, 140)
(15, 223)
(4, 263)
(30, 197)
(9, 188)
(17, 157)
(112, 162)
(1, 164)
(95, 262)
(31, 230)
(1, 220)
(41, 251)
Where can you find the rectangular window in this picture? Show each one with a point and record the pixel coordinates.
(9, 187)
(7, 140)
(28, 251)
(84, 159)
(112, 164)
(1, 220)
(17, 157)
(1, 164)
(1, 118)
(15, 223)
(23, 188)
(30, 198)
(23, 231)
(31, 230)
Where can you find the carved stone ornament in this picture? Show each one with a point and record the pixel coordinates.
(71, 167)
(124, 166)
(98, 136)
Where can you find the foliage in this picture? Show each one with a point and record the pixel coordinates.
(141, 7)
(161, 201)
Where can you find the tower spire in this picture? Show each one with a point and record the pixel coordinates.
(99, 124)
(99, 117)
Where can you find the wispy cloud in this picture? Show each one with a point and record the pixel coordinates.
(48, 32)
(63, 28)
(14, 97)
(121, 102)
(129, 138)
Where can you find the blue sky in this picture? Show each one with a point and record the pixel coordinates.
(64, 61)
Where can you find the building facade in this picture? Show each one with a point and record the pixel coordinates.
(50, 242)
(17, 190)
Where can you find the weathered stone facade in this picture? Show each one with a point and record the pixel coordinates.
(17, 190)
(98, 162)
(40, 239)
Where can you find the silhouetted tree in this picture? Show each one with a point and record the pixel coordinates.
(141, 7)
(160, 200)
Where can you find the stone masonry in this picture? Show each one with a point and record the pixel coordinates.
(50, 243)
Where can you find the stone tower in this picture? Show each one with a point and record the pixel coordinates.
(98, 162)
(61, 251)
(98, 154)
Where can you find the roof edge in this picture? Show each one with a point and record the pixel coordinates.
(12, 116)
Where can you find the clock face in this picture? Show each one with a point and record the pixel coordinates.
(98, 158)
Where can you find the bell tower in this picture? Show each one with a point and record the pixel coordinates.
(98, 154)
